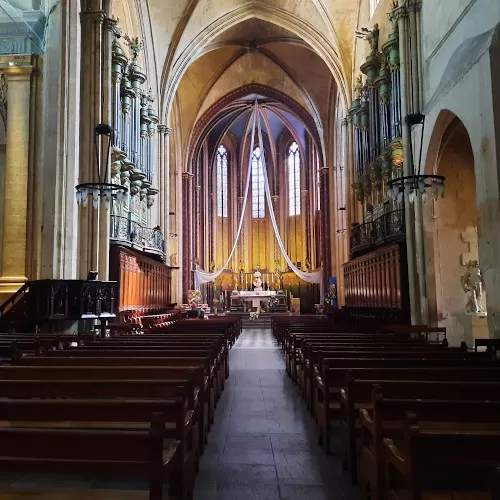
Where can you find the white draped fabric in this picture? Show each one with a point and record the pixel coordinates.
(315, 276)
(201, 276)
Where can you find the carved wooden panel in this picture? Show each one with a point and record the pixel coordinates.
(143, 283)
(378, 279)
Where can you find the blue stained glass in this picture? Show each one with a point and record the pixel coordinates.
(293, 165)
(222, 182)
(258, 195)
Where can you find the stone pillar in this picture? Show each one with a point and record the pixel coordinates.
(306, 226)
(108, 33)
(187, 228)
(324, 174)
(92, 18)
(164, 183)
(401, 14)
(197, 225)
(14, 241)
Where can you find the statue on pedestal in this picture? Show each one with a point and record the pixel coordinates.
(473, 284)
(257, 282)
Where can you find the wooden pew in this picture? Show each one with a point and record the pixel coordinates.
(191, 379)
(111, 414)
(430, 455)
(142, 454)
(435, 402)
(328, 387)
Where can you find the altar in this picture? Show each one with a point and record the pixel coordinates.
(255, 298)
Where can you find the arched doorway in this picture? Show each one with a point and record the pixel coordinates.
(452, 240)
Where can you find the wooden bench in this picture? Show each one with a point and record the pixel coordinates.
(112, 414)
(427, 456)
(142, 454)
(328, 387)
(437, 403)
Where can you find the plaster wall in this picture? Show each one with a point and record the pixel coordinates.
(455, 214)
(264, 72)
(445, 27)
(208, 11)
(470, 99)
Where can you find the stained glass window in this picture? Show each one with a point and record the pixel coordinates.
(222, 182)
(258, 199)
(294, 179)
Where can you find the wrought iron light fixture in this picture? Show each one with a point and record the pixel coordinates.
(100, 189)
(415, 183)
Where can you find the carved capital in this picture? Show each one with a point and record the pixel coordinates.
(93, 16)
(414, 5)
(187, 176)
(197, 189)
(162, 129)
(324, 171)
(111, 24)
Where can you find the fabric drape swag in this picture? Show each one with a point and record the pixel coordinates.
(316, 276)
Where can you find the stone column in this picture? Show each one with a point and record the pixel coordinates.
(306, 226)
(197, 225)
(92, 18)
(277, 252)
(401, 14)
(187, 228)
(14, 242)
(164, 183)
(108, 33)
(324, 174)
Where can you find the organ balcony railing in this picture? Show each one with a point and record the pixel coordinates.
(389, 228)
(131, 233)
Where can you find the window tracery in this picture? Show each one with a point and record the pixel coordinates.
(222, 161)
(258, 200)
(293, 165)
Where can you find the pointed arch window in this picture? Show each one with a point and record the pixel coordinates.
(258, 199)
(294, 179)
(222, 181)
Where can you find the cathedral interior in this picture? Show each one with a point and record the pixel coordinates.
(240, 160)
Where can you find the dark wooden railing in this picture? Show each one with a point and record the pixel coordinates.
(41, 302)
(128, 232)
(388, 228)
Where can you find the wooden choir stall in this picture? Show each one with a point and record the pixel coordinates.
(143, 283)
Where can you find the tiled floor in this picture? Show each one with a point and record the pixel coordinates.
(263, 444)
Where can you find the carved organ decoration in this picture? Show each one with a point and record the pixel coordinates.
(134, 123)
(3, 99)
(376, 117)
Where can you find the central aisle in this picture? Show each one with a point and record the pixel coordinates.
(263, 444)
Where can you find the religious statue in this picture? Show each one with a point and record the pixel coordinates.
(372, 36)
(257, 282)
(473, 284)
(358, 87)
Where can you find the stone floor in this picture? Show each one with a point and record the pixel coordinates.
(263, 444)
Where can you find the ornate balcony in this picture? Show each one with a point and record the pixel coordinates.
(132, 234)
(389, 228)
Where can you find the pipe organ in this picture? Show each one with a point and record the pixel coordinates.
(376, 277)
(134, 125)
(376, 118)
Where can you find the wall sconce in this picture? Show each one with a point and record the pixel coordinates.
(415, 183)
